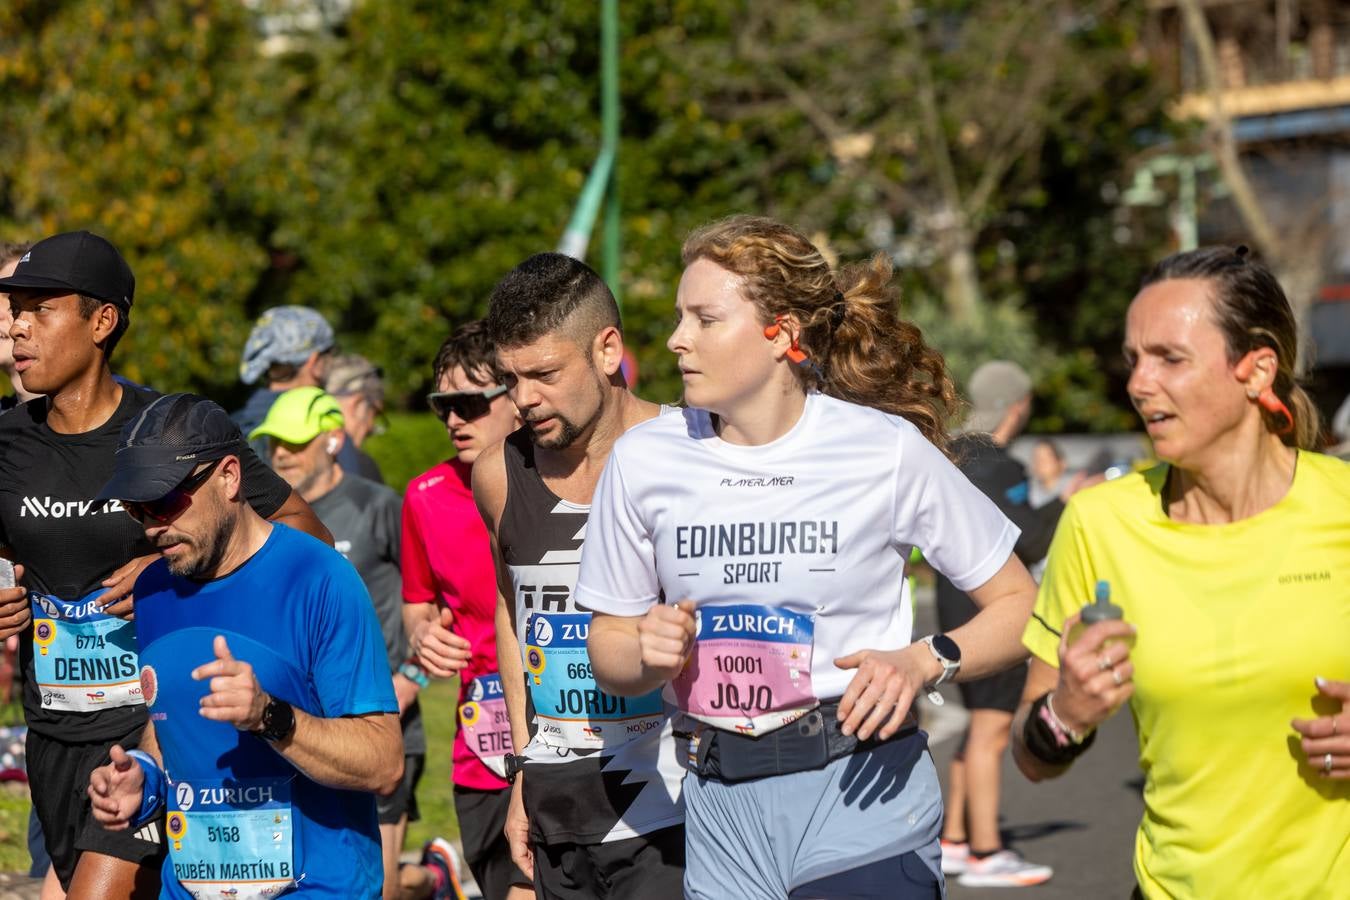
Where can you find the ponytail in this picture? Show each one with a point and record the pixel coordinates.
(877, 359)
(861, 350)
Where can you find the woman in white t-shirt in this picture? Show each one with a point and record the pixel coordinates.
(779, 509)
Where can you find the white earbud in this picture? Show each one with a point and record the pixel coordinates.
(332, 446)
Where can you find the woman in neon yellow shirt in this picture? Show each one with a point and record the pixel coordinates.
(1231, 562)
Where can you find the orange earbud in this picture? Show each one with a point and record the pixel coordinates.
(1267, 398)
(1275, 406)
(772, 331)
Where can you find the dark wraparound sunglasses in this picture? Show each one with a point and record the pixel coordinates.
(468, 405)
(172, 504)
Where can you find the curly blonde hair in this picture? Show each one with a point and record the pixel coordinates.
(850, 324)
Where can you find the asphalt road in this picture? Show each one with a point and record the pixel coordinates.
(1082, 824)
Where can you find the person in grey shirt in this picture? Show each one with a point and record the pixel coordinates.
(304, 430)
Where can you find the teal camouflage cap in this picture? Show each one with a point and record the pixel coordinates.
(283, 334)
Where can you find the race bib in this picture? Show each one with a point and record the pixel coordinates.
(231, 838)
(750, 670)
(83, 659)
(484, 723)
(570, 709)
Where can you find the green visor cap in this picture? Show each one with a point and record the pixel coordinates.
(300, 415)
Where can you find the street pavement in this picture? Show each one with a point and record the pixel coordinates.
(1082, 824)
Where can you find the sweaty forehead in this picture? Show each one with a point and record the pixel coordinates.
(1176, 311)
(552, 351)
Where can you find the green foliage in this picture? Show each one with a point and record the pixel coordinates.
(412, 443)
(122, 116)
(389, 170)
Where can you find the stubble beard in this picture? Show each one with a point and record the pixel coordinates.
(203, 562)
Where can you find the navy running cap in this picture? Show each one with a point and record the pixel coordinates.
(76, 262)
(161, 446)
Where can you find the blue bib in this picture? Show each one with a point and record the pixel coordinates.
(570, 708)
(84, 660)
(231, 838)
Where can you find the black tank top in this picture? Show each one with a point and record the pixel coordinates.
(632, 790)
(540, 533)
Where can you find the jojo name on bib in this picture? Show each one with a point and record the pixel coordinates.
(750, 669)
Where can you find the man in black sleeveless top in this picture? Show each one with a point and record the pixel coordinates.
(596, 809)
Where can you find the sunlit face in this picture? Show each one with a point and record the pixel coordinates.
(1046, 467)
(53, 344)
(305, 465)
(472, 436)
(724, 357)
(557, 387)
(195, 541)
(1181, 381)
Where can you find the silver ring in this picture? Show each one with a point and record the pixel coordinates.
(1104, 662)
(1115, 676)
(1326, 764)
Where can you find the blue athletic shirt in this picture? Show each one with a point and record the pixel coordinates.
(299, 614)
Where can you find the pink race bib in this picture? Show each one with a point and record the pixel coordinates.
(750, 671)
(486, 727)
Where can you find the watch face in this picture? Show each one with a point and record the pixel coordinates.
(947, 647)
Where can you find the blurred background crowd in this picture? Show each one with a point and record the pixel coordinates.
(372, 169)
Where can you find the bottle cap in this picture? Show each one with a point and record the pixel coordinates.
(1103, 609)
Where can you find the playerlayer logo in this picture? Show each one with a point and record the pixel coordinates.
(47, 508)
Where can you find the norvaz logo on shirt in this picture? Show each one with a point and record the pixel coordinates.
(46, 507)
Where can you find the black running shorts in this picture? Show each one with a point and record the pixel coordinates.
(482, 816)
(58, 774)
(650, 867)
(403, 801)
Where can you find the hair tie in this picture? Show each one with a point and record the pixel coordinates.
(1241, 252)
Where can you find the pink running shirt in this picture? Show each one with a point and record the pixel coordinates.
(447, 557)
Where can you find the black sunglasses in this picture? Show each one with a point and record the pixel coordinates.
(468, 405)
(172, 504)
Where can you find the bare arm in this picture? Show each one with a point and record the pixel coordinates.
(359, 753)
(633, 655)
(489, 493)
(295, 512)
(879, 697)
(1093, 680)
(414, 615)
(992, 640)
(355, 753)
(1041, 679)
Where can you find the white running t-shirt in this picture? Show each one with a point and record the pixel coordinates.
(816, 525)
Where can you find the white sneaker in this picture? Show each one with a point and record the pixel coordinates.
(955, 857)
(1003, 869)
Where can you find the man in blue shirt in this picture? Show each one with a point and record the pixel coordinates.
(272, 714)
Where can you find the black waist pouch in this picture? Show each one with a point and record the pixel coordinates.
(811, 742)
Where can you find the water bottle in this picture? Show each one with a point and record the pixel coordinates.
(1101, 610)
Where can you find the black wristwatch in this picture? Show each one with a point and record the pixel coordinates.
(278, 721)
(513, 766)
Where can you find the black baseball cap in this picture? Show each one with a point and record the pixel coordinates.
(76, 262)
(163, 444)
